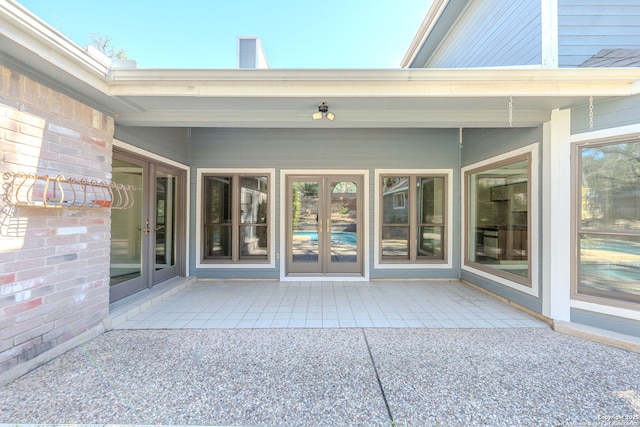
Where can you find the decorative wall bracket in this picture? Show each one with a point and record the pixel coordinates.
(21, 189)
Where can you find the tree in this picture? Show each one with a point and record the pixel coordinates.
(103, 44)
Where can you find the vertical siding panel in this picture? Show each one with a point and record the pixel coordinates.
(493, 33)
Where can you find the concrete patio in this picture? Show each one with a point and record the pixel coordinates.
(323, 354)
(328, 377)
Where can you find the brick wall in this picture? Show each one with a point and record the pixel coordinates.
(54, 263)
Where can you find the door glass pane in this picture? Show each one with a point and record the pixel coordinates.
(304, 245)
(126, 226)
(344, 220)
(165, 225)
(217, 217)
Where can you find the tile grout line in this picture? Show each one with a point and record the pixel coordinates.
(375, 370)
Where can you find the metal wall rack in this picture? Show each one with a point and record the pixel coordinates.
(21, 189)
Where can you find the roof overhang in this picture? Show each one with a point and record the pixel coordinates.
(439, 19)
(359, 98)
(415, 98)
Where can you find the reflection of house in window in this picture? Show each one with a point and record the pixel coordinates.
(398, 201)
(394, 194)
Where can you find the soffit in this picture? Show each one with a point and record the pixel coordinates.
(358, 98)
(286, 98)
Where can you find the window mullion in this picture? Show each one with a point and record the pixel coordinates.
(413, 213)
(235, 218)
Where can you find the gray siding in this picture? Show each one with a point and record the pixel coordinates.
(587, 26)
(171, 143)
(482, 144)
(492, 33)
(324, 149)
(606, 114)
(603, 321)
(528, 301)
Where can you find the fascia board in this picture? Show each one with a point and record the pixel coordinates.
(35, 36)
(363, 83)
(439, 20)
(429, 22)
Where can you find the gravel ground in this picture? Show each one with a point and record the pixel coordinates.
(326, 377)
(491, 377)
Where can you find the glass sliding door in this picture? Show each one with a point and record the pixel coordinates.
(324, 216)
(164, 208)
(127, 225)
(145, 243)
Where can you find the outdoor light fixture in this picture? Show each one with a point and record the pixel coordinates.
(323, 111)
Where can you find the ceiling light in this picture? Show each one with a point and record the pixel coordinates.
(323, 111)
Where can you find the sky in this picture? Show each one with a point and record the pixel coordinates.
(202, 33)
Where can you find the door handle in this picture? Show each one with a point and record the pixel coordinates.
(147, 230)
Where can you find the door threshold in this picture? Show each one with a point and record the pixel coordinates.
(324, 278)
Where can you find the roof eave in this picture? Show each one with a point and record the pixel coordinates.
(33, 42)
(429, 22)
(399, 82)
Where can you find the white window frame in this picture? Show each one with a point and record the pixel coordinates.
(435, 264)
(534, 234)
(270, 173)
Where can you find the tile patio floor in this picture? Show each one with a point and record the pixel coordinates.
(377, 304)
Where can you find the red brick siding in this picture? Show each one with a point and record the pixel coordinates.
(54, 263)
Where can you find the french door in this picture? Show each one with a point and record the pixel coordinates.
(324, 217)
(146, 247)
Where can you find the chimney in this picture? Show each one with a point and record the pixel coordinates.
(250, 53)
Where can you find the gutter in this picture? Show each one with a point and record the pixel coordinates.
(429, 82)
(30, 33)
